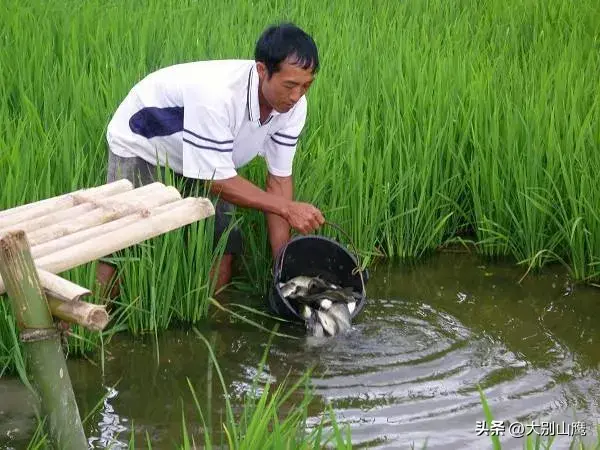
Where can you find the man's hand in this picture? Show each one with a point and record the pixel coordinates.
(303, 217)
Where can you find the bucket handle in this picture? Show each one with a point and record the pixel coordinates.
(354, 249)
(347, 236)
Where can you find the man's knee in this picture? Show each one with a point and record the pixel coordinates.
(134, 169)
(224, 271)
(106, 278)
(224, 219)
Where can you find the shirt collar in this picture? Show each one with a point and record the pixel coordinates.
(253, 106)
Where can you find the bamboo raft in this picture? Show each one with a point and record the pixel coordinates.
(73, 229)
(42, 239)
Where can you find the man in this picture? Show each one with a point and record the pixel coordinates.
(206, 119)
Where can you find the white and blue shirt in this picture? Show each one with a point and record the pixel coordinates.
(203, 120)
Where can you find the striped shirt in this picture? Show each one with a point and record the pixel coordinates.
(202, 119)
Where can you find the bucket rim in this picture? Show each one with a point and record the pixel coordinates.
(281, 254)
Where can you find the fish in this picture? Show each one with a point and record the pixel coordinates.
(302, 286)
(341, 315)
(322, 300)
(313, 326)
(325, 307)
(329, 325)
(295, 286)
(333, 295)
(330, 297)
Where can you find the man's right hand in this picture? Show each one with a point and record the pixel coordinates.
(303, 217)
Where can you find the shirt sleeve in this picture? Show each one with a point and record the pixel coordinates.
(207, 140)
(280, 146)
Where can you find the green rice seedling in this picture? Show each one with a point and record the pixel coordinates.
(259, 424)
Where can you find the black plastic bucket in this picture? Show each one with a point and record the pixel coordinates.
(311, 256)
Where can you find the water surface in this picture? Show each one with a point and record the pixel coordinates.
(406, 374)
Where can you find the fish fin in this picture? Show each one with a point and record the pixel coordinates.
(351, 307)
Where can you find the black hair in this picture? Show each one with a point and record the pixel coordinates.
(279, 42)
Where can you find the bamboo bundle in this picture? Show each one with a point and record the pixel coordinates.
(86, 204)
(30, 211)
(72, 238)
(179, 213)
(107, 212)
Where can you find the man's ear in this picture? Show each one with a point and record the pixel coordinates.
(262, 70)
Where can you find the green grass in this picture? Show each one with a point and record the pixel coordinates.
(427, 117)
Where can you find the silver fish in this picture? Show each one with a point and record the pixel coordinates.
(334, 295)
(294, 287)
(325, 304)
(329, 325)
(314, 327)
(340, 314)
(302, 286)
(325, 307)
(307, 312)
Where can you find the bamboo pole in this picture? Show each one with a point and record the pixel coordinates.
(85, 205)
(93, 317)
(41, 342)
(27, 212)
(36, 223)
(84, 234)
(179, 213)
(105, 214)
(60, 288)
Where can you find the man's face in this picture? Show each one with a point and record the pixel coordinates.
(285, 87)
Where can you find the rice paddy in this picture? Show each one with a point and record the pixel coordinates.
(430, 124)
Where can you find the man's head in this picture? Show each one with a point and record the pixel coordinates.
(287, 61)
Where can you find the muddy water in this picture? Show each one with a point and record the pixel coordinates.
(406, 374)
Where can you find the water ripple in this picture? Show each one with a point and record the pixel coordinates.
(399, 375)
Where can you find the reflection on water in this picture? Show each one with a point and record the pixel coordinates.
(110, 425)
(407, 373)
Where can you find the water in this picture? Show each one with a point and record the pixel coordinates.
(406, 374)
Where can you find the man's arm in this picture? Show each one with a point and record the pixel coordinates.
(279, 228)
(303, 217)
